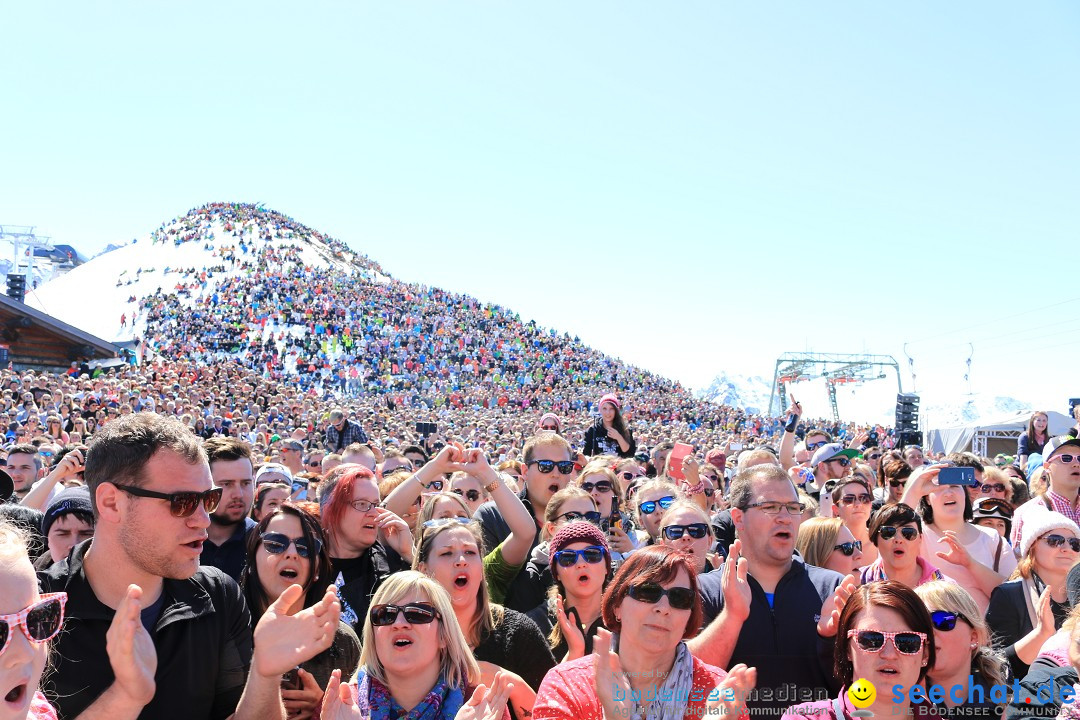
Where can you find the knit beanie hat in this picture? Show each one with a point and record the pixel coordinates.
(1038, 522)
(576, 532)
(74, 499)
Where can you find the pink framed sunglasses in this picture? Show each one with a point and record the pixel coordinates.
(39, 622)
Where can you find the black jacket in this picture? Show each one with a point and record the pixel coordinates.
(597, 442)
(357, 579)
(203, 641)
(781, 641)
(1009, 622)
(1044, 681)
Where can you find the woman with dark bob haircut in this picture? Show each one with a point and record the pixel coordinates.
(885, 636)
(286, 548)
(654, 594)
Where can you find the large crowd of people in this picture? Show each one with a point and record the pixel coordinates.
(488, 520)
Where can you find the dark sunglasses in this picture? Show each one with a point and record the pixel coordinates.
(694, 530)
(649, 506)
(861, 499)
(875, 456)
(568, 558)
(906, 643)
(314, 463)
(844, 462)
(600, 485)
(546, 466)
(628, 476)
(592, 516)
(435, 485)
(946, 620)
(815, 446)
(995, 487)
(415, 614)
(849, 548)
(888, 532)
(181, 504)
(549, 428)
(1066, 459)
(1056, 540)
(680, 598)
(277, 543)
(39, 622)
(897, 483)
(470, 495)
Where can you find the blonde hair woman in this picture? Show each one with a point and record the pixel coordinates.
(962, 646)
(415, 661)
(825, 542)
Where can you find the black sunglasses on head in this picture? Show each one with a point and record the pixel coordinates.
(546, 466)
(680, 598)
(848, 548)
(277, 543)
(415, 614)
(592, 516)
(694, 530)
(470, 495)
(181, 504)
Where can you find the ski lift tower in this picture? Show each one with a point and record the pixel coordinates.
(837, 369)
(25, 241)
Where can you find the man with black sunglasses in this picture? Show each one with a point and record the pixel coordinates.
(152, 494)
(831, 461)
(768, 608)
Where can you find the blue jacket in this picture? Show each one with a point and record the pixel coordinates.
(782, 641)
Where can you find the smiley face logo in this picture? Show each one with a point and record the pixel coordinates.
(862, 693)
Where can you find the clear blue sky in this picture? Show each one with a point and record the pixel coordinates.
(692, 186)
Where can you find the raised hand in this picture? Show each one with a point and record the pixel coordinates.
(735, 586)
(132, 654)
(834, 605)
(485, 703)
(571, 630)
(612, 685)
(338, 702)
(395, 532)
(957, 554)
(283, 641)
(733, 691)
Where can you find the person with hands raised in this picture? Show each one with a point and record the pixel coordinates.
(367, 543)
(978, 558)
(581, 567)
(648, 670)
(764, 609)
(289, 548)
(152, 494)
(415, 663)
(1027, 610)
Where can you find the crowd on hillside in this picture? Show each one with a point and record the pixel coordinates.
(332, 495)
(335, 538)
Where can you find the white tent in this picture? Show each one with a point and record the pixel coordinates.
(989, 436)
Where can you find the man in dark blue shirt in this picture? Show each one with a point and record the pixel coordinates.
(231, 469)
(772, 611)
